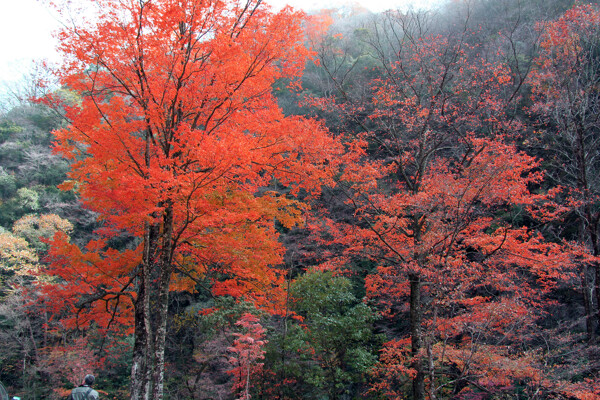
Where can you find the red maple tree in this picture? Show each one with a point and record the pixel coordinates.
(172, 136)
(566, 105)
(439, 192)
(246, 351)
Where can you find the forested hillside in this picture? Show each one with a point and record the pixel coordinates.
(220, 201)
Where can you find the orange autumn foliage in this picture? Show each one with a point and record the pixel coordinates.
(176, 109)
(173, 137)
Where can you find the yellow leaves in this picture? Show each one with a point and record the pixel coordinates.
(17, 256)
(18, 251)
(36, 228)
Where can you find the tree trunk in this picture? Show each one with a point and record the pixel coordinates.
(160, 333)
(140, 381)
(588, 302)
(590, 273)
(593, 233)
(142, 349)
(597, 287)
(161, 308)
(588, 231)
(416, 336)
(151, 311)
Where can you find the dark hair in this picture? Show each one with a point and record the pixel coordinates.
(89, 380)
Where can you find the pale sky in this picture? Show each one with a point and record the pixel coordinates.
(26, 26)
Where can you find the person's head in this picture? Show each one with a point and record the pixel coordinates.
(89, 380)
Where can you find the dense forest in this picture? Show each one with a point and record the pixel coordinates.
(212, 200)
